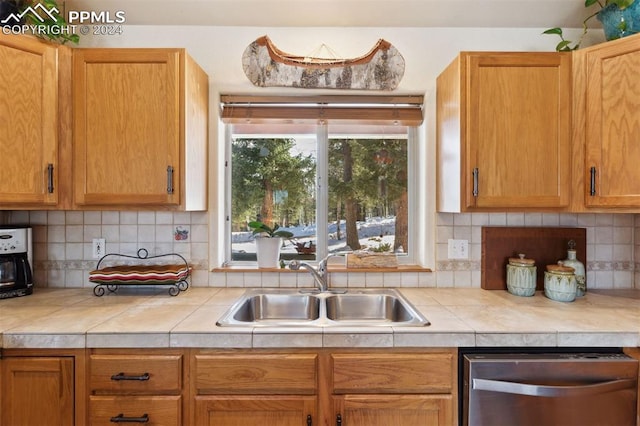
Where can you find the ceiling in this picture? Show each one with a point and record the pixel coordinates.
(346, 13)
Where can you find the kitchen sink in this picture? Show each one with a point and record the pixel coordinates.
(281, 308)
(273, 308)
(367, 307)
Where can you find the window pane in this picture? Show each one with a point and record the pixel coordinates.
(368, 193)
(273, 181)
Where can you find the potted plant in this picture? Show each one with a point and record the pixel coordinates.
(619, 18)
(268, 243)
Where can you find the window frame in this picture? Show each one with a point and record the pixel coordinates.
(415, 253)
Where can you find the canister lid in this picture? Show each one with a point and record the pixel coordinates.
(521, 261)
(560, 269)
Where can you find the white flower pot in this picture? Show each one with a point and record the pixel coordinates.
(268, 251)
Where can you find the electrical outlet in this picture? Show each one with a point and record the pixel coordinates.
(98, 248)
(458, 249)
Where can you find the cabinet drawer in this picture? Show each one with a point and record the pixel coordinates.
(135, 374)
(256, 374)
(393, 373)
(151, 410)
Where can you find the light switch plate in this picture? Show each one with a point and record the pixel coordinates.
(458, 249)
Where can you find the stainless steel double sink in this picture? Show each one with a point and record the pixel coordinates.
(352, 307)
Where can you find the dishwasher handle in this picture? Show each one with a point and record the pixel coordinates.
(552, 391)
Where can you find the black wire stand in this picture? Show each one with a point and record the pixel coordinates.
(175, 286)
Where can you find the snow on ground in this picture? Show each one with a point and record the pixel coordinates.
(380, 228)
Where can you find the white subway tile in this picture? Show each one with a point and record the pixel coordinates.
(110, 218)
(55, 218)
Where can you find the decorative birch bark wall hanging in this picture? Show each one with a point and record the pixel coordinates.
(265, 65)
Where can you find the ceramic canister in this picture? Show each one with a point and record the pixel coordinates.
(560, 283)
(573, 262)
(521, 276)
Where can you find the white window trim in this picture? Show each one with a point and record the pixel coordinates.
(421, 212)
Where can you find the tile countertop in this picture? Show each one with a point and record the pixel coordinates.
(75, 318)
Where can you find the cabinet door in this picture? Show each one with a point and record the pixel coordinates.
(37, 391)
(612, 174)
(28, 122)
(127, 110)
(517, 130)
(256, 411)
(385, 410)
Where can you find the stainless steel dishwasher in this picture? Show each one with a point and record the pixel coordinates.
(554, 389)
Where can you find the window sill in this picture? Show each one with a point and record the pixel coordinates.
(337, 268)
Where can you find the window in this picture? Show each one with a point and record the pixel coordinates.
(336, 186)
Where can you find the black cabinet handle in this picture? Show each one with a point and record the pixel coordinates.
(120, 418)
(309, 422)
(592, 189)
(50, 178)
(122, 376)
(169, 180)
(338, 420)
(475, 182)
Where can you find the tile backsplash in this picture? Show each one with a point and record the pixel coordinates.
(63, 250)
(610, 244)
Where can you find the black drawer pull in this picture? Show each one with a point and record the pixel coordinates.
(474, 191)
(169, 180)
(50, 178)
(592, 181)
(120, 418)
(122, 376)
(309, 420)
(338, 420)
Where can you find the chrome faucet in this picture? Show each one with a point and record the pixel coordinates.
(320, 274)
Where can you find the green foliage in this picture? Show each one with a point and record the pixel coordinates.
(376, 185)
(55, 26)
(565, 45)
(261, 228)
(381, 247)
(266, 170)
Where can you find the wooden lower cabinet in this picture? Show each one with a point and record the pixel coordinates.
(324, 387)
(136, 386)
(385, 410)
(255, 410)
(40, 388)
(234, 387)
(246, 388)
(382, 388)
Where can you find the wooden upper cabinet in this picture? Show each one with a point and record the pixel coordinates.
(29, 119)
(608, 121)
(504, 132)
(140, 129)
